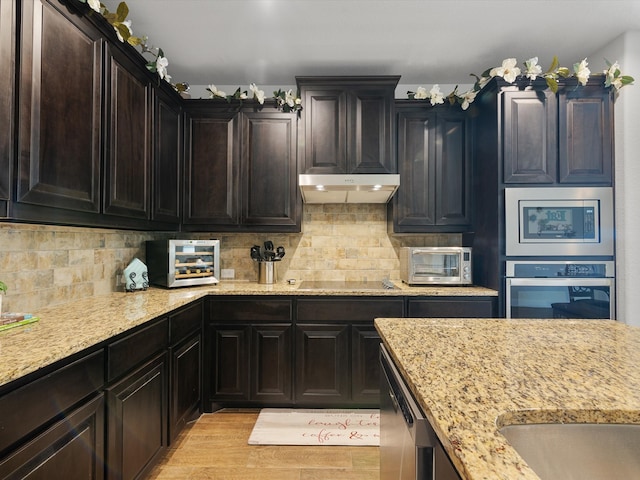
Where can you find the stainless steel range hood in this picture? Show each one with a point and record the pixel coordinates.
(348, 188)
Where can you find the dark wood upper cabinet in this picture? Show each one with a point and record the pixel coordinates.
(530, 135)
(347, 124)
(167, 158)
(586, 135)
(240, 169)
(212, 168)
(269, 173)
(8, 32)
(127, 172)
(59, 108)
(554, 139)
(434, 162)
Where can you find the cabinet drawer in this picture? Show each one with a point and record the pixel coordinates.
(185, 321)
(32, 406)
(453, 307)
(349, 309)
(251, 310)
(127, 353)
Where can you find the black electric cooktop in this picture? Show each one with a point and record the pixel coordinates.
(345, 286)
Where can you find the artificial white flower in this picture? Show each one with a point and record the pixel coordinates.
(214, 92)
(436, 95)
(257, 94)
(161, 67)
(467, 98)
(290, 98)
(421, 94)
(243, 96)
(95, 5)
(508, 70)
(126, 23)
(613, 76)
(533, 69)
(582, 72)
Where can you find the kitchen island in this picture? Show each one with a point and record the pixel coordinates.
(473, 376)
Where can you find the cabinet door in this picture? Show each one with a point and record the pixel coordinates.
(365, 368)
(229, 362)
(530, 136)
(324, 145)
(73, 448)
(167, 158)
(127, 179)
(271, 364)
(414, 204)
(453, 169)
(137, 421)
(434, 161)
(269, 173)
(211, 170)
(8, 32)
(186, 384)
(61, 80)
(370, 130)
(586, 135)
(322, 364)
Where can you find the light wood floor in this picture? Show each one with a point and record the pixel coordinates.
(215, 448)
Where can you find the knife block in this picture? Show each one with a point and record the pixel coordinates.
(267, 272)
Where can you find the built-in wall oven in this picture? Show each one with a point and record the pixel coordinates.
(560, 289)
(409, 447)
(559, 221)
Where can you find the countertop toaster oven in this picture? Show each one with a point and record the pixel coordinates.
(436, 265)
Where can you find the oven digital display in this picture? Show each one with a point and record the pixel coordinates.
(559, 222)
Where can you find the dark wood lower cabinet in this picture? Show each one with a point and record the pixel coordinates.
(71, 449)
(229, 362)
(322, 364)
(337, 348)
(296, 351)
(251, 363)
(186, 384)
(271, 367)
(365, 370)
(137, 420)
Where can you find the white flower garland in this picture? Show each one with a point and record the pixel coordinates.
(509, 71)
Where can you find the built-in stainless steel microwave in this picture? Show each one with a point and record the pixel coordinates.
(559, 221)
(183, 263)
(435, 265)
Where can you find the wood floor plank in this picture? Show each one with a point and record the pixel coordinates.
(215, 447)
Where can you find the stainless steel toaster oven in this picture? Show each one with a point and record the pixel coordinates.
(436, 265)
(182, 263)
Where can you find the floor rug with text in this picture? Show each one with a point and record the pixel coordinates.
(285, 426)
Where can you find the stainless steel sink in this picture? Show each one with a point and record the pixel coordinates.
(572, 451)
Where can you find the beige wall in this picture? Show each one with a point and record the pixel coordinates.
(45, 265)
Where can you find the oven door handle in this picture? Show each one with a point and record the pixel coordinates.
(560, 282)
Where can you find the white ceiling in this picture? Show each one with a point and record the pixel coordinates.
(269, 42)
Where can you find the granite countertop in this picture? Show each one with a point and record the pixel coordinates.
(473, 376)
(70, 328)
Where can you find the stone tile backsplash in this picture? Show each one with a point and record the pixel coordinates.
(47, 265)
